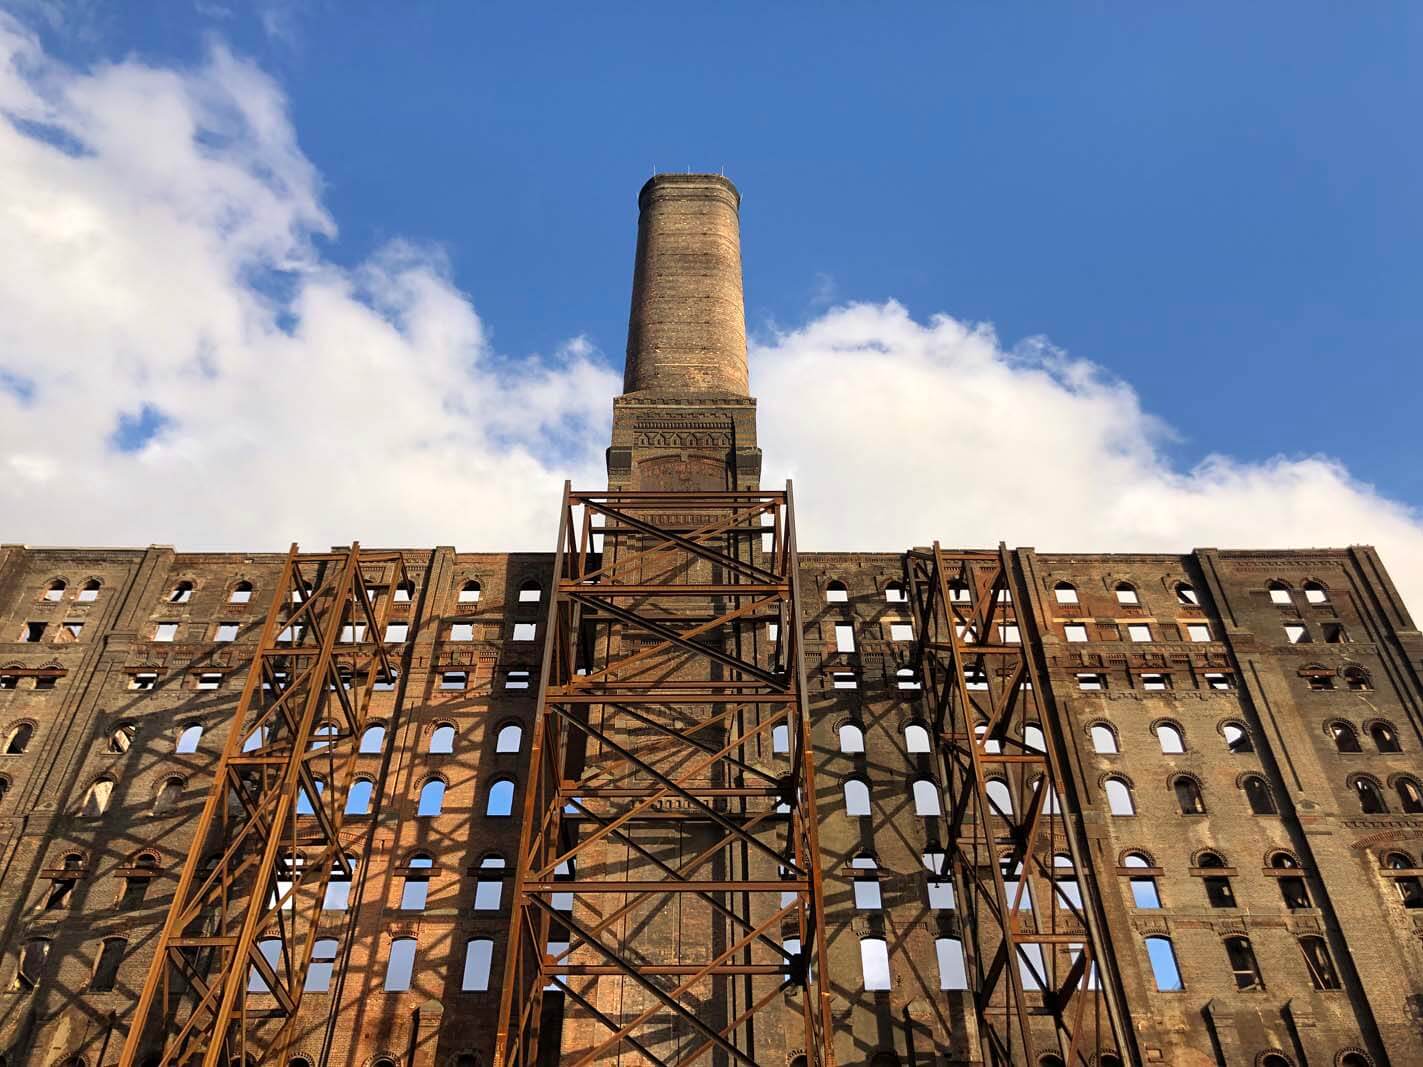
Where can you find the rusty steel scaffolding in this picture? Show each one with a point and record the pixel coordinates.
(226, 981)
(1041, 973)
(672, 701)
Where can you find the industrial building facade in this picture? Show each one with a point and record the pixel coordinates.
(677, 793)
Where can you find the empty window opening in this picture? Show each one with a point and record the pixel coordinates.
(415, 890)
(530, 592)
(1237, 739)
(31, 965)
(404, 592)
(90, 591)
(106, 966)
(167, 796)
(165, 631)
(1163, 964)
(844, 637)
(1171, 738)
(525, 631)
(1242, 963)
(852, 738)
(442, 740)
(952, 972)
(1279, 593)
(975, 678)
(907, 678)
(1119, 798)
(322, 966)
(1319, 963)
(432, 798)
(1258, 794)
(916, 738)
(373, 739)
(901, 631)
(1218, 680)
(1293, 889)
(1384, 736)
(1066, 890)
(1219, 893)
(9, 681)
(121, 740)
(894, 593)
(1091, 683)
(1033, 739)
(1296, 634)
(1126, 595)
(453, 680)
(33, 632)
(1139, 632)
(926, 798)
(489, 888)
(1370, 796)
(780, 739)
(1321, 682)
(338, 887)
(1315, 593)
(45, 681)
(271, 951)
(385, 683)
(1155, 682)
(241, 593)
(511, 738)
(478, 954)
(135, 884)
(1357, 679)
(400, 965)
(844, 680)
(1188, 795)
(1409, 886)
(70, 630)
(1346, 738)
(189, 737)
(182, 593)
(958, 592)
(836, 593)
(516, 680)
(96, 801)
(1409, 795)
(1009, 634)
(1000, 797)
(866, 883)
(55, 590)
(462, 631)
(469, 592)
(1143, 886)
(1198, 631)
(1065, 593)
(1104, 739)
(396, 632)
(1186, 594)
(874, 964)
(1075, 632)
(358, 800)
(501, 798)
(1334, 633)
(941, 889)
(18, 739)
(857, 797)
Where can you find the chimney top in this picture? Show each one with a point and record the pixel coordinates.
(687, 329)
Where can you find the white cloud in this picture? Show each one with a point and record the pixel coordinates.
(934, 431)
(160, 230)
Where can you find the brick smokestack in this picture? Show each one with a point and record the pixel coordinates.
(687, 330)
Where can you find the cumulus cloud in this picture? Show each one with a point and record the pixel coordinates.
(900, 432)
(180, 363)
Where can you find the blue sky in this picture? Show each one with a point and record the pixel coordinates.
(1215, 206)
(1217, 202)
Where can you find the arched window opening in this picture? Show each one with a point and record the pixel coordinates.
(1104, 739)
(271, 952)
(33, 956)
(926, 797)
(305, 802)
(1119, 798)
(1242, 963)
(857, 797)
(852, 738)
(1357, 679)
(1065, 593)
(916, 738)
(1353, 1059)
(1279, 593)
(511, 738)
(323, 735)
(1315, 593)
(338, 886)
(96, 801)
(188, 739)
(404, 592)
(1033, 739)
(400, 966)
(1143, 886)
(1346, 738)
(469, 592)
(1370, 796)
(442, 740)
(358, 800)
(1012, 879)
(432, 798)
(1188, 795)
(241, 593)
(1409, 886)
(530, 592)
(1186, 594)
(907, 678)
(952, 972)
(1000, 797)
(55, 589)
(836, 593)
(1409, 795)
(182, 593)
(373, 739)
(866, 883)
(1126, 595)
(894, 593)
(89, 592)
(501, 798)
(489, 886)
(1384, 737)
(780, 739)
(1067, 891)
(322, 966)
(1237, 739)
(18, 739)
(1293, 889)
(1257, 793)
(1171, 738)
(415, 891)
(958, 591)
(1219, 893)
(166, 797)
(478, 955)
(874, 963)
(940, 888)
(1274, 1059)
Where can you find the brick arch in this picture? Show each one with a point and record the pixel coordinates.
(1138, 849)
(1213, 850)
(1121, 775)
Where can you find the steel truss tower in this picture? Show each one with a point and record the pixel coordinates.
(1042, 975)
(263, 877)
(672, 708)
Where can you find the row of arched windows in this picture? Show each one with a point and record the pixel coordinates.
(1186, 789)
(1065, 592)
(1315, 592)
(1240, 958)
(1213, 870)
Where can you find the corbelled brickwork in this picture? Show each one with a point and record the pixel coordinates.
(1244, 737)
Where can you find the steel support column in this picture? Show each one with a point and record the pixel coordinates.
(672, 685)
(226, 981)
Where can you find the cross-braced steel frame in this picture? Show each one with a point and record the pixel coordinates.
(1041, 974)
(226, 981)
(664, 706)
